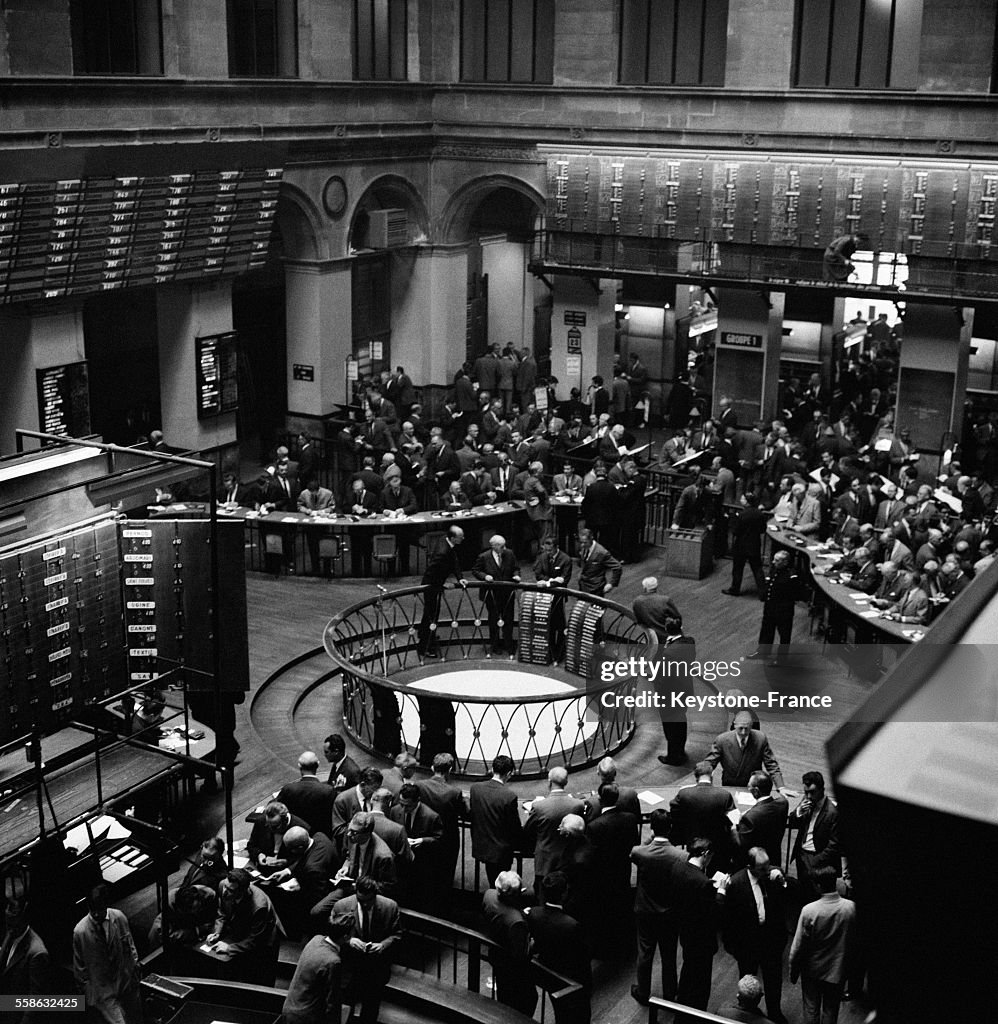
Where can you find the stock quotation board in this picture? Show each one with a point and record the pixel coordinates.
(84, 235)
(919, 208)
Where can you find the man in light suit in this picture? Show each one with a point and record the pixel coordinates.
(315, 499)
(496, 832)
(541, 828)
(742, 751)
(24, 960)
(356, 798)
(315, 993)
(599, 571)
(764, 823)
(367, 952)
(499, 565)
(819, 949)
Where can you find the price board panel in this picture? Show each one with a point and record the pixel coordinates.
(217, 360)
(64, 400)
(73, 237)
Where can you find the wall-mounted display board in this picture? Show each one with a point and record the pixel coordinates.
(738, 376)
(84, 235)
(932, 209)
(925, 405)
(217, 361)
(61, 642)
(64, 400)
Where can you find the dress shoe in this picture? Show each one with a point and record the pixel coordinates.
(636, 995)
(755, 656)
(672, 759)
(431, 654)
(732, 593)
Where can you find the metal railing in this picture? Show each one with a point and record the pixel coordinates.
(375, 642)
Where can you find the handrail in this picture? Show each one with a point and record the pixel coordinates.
(688, 1013)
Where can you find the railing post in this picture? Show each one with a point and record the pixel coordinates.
(474, 967)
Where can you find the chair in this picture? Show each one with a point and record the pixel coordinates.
(385, 550)
(330, 550)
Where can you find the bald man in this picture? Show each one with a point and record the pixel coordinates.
(741, 751)
(498, 565)
(310, 798)
(546, 814)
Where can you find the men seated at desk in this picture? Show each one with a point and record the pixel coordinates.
(913, 605)
(232, 492)
(245, 937)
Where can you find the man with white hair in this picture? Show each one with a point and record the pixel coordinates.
(498, 565)
(541, 827)
(807, 517)
(309, 798)
(745, 1009)
(506, 925)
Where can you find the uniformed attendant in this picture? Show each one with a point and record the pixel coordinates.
(783, 588)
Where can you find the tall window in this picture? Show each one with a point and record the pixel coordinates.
(116, 37)
(857, 44)
(379, 40)
(673, 42)
(371, 315)
(507, 41)
(263, 38)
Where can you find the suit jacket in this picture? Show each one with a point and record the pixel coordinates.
(542, 826)
(376, 861)
(487, 372)
(695, 905)
(383, 925)
(441, 566)
(613, 834)
(106, 970)
(655, 861)
(25, 973)
(744, 937)
(396, 839)
(900, 554)
(597, 569)
(559, 942)
(821, 942)
(748, 531)
(866, 578)
(888, 511)
(448, 801)
(506, 925)
(547, 567)
(260, 840)
(198, 874)
(502, 480)
(368, 501)
(485, 565)
(763, 825)
(405, 500)
(314, 994)
(312, 501)
(496, 831)
(314, 869)
(737, 765)
(702, 810)
(345, 806)
(426, 824)
(311, 799)
(599, 506)
(627, 800)
(348, 770)
(825, 836)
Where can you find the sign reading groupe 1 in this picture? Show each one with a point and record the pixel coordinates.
(734, 340)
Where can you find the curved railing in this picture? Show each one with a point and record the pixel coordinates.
(374, 644)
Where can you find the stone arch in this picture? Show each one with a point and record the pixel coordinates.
(466, 204)
(389, 191)
(299, 223)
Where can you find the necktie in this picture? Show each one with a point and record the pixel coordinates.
(286, 486)
(355, 873)
(408, 823)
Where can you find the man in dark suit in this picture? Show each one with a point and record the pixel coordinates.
(541, 828)
(439, 569)
(816, 819)
(440, 795)
(356, 798)
(754, 925)
(425, 832)
(600, 508)
(553, 568)
(363, 503)
(558, 942)
(398, 500)
(654, 911)
(311, 862)
(310, 798)
(393, 833)
(503, 476)
(367, 951)
(232, 492)
(24, 960)
(496, 832)
(498, 564)
(702, 810)
(746, 545)
(576, 860)
(210, 868)
(366, 855)
(741, 751)
(627, 796)
(266, 841)
(745, 1009)
(696, 915)
(613, 834)
(246, 931)
(765, 822)
(599, 571)
(344, 772)
(783, 588)
(506, 925)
